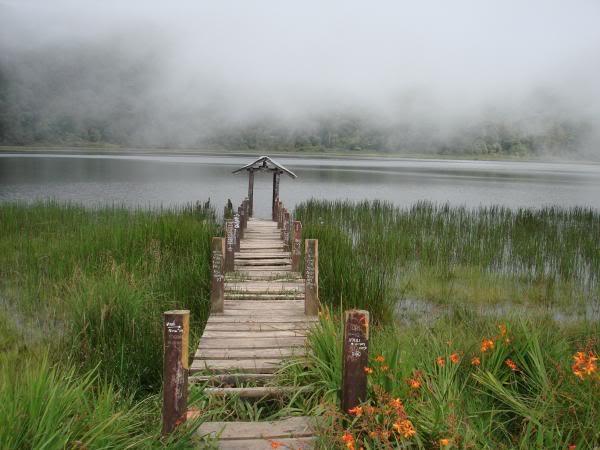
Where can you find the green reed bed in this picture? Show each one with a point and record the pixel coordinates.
(86, 289)
(465, 381)
(373, 253)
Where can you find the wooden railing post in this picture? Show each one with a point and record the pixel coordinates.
(217, 282)
(280, 215)
(237, 231)
(355, 359)
(229, 245)
(286, 230)
(242, 216)
(176, 334)
(296, 246)
(311, 277)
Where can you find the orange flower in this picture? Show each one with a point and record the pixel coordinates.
(475, 361)
(396, 403)
(370, 410)
(486, 344)
(511, 364)
(440, 361)
(444, 442)
(275, 444)
(502, 328)
(380, 359)
(455, 358)
(584, 365)
(414, 383)
(356, 411)
(572, 447)
(368, 370)
(348, 439)
(405, 428)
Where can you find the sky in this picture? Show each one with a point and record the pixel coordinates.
(435, 59)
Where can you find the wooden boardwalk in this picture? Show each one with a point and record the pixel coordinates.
(263, 321)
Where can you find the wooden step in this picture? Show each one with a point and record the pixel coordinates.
(240, 433)
(262, 342)
(236, 365)
(257, 326)
(260, 319)
(248, 353)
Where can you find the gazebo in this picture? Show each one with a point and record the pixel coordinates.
(264, 164)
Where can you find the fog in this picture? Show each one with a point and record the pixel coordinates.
(196, 73)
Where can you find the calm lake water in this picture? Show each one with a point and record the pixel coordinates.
(150, 181)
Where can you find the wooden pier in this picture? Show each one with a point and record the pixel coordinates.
(262, 308)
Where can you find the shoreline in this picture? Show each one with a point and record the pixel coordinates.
(135, 151)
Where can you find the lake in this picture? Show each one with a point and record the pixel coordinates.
(150, 181)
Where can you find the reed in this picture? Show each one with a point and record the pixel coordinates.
(373, 253)
(91, 285)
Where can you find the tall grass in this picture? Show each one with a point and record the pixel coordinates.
(482, 404)
(97, 281)
(372, 253)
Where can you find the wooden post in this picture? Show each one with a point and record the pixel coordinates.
(280, 210)
(286, 230)
(275, 193)
(311, 277)
(237, 231)
(176, 335)
(242, 216)
(229, 245)
(246, 204)
(217, 282)
(296, 246)
(250, 193)
(355, 359)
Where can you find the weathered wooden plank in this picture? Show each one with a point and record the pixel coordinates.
(261, 312)
(257, 326)
(304, 443)
(252, 334)
(257, 304)
(257, 319)
(233, 365)
(249, 353)
(262, 342)
(286, 428)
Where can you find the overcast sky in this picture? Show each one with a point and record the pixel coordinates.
(444, 57)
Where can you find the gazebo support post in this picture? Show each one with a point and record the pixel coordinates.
(250, 192)
(276, 175)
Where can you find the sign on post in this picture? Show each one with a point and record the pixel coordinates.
(311, 277)
(285, 234)
(355, 359)
(217, 283)
(296, 246)
(176, 332)
(237, 231)
(229, 245)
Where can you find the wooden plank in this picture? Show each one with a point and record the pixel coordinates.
(252, 334)
(260, 312)
(263, 262)
(249, 353)
(262, 342)
(236, 365)
(304, 443)
(286, 428)
(216, 319)
(257, 326)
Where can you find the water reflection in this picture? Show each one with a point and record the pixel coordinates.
(167, 180)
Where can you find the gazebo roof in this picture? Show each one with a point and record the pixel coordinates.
(266, 163)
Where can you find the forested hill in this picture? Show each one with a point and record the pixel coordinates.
(81, 96)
